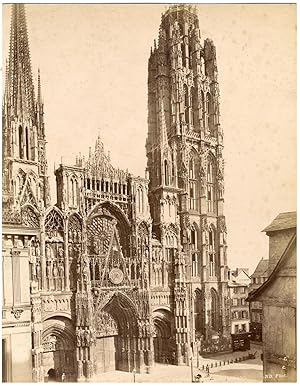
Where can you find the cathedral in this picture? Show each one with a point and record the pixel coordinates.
(123, 271)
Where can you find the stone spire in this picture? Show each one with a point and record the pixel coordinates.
(40, 109)
(23, 130)
(20, 88)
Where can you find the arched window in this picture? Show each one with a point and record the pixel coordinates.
(211, 265)
(203, 70)
(210, 114)
(186, 104)
(194, 238)
(194, 104)
(166, 172)
(203, 109)
(195, 251)
(212, 251)
(214, 310)
(73, 193)
(20, 142)
(194, 264)
(140, 200)
(192, 168)
(198, 313)
(211, 193)
(26, 144)
(192, 184)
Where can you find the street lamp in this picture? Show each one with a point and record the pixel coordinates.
(134, 372)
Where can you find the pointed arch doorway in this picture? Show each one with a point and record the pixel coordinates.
(59, 354)
(117, 335)
(164, 347)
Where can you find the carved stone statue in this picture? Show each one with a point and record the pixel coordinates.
(202, 181)
(61, 270)
(48, 252)
(86, 337)
(48, 270)
(37, 249)
(60, 252)
(55, 271)
(38, 273)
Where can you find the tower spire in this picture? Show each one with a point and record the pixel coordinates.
(39, 94)
(20, 87)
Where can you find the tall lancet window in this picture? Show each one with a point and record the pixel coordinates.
(211, 206)
(20, 142)
(192, 184)
(194, 104)
(166, 167)
(203, 109)
(212, 252)
(214, 310)
(186, 104)
(210, 113)
(27, 143)
(195, 251)
(203, 71)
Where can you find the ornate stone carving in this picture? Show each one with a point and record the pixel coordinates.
(30, 218)
(180, 294)
(55, 303)
(50, 343)
(17, 312)
(12, 217)
(105, 324)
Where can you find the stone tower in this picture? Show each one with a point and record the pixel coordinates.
(25, 198)
(24, 145)
(186, 171)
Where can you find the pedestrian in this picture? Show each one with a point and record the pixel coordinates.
(284, 369)
(207, 370)
(63, 377)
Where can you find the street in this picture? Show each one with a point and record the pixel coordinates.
(247, 371)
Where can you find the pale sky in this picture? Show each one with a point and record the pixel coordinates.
(93, 60)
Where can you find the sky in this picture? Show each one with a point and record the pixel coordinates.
(93, 61)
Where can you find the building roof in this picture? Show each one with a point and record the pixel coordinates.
(282, 221)
(237, 271)
(262, 269)
(253, 294)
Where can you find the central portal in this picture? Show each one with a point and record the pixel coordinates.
(106, 354)
(105, 351)
(117, 341)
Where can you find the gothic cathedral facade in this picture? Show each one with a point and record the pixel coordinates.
(122, 271)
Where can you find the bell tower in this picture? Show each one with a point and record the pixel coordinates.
(186, 168)
(24, 144)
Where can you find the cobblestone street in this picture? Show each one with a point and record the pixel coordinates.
(246, 371)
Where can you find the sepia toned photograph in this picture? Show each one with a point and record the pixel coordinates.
(149, 193)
